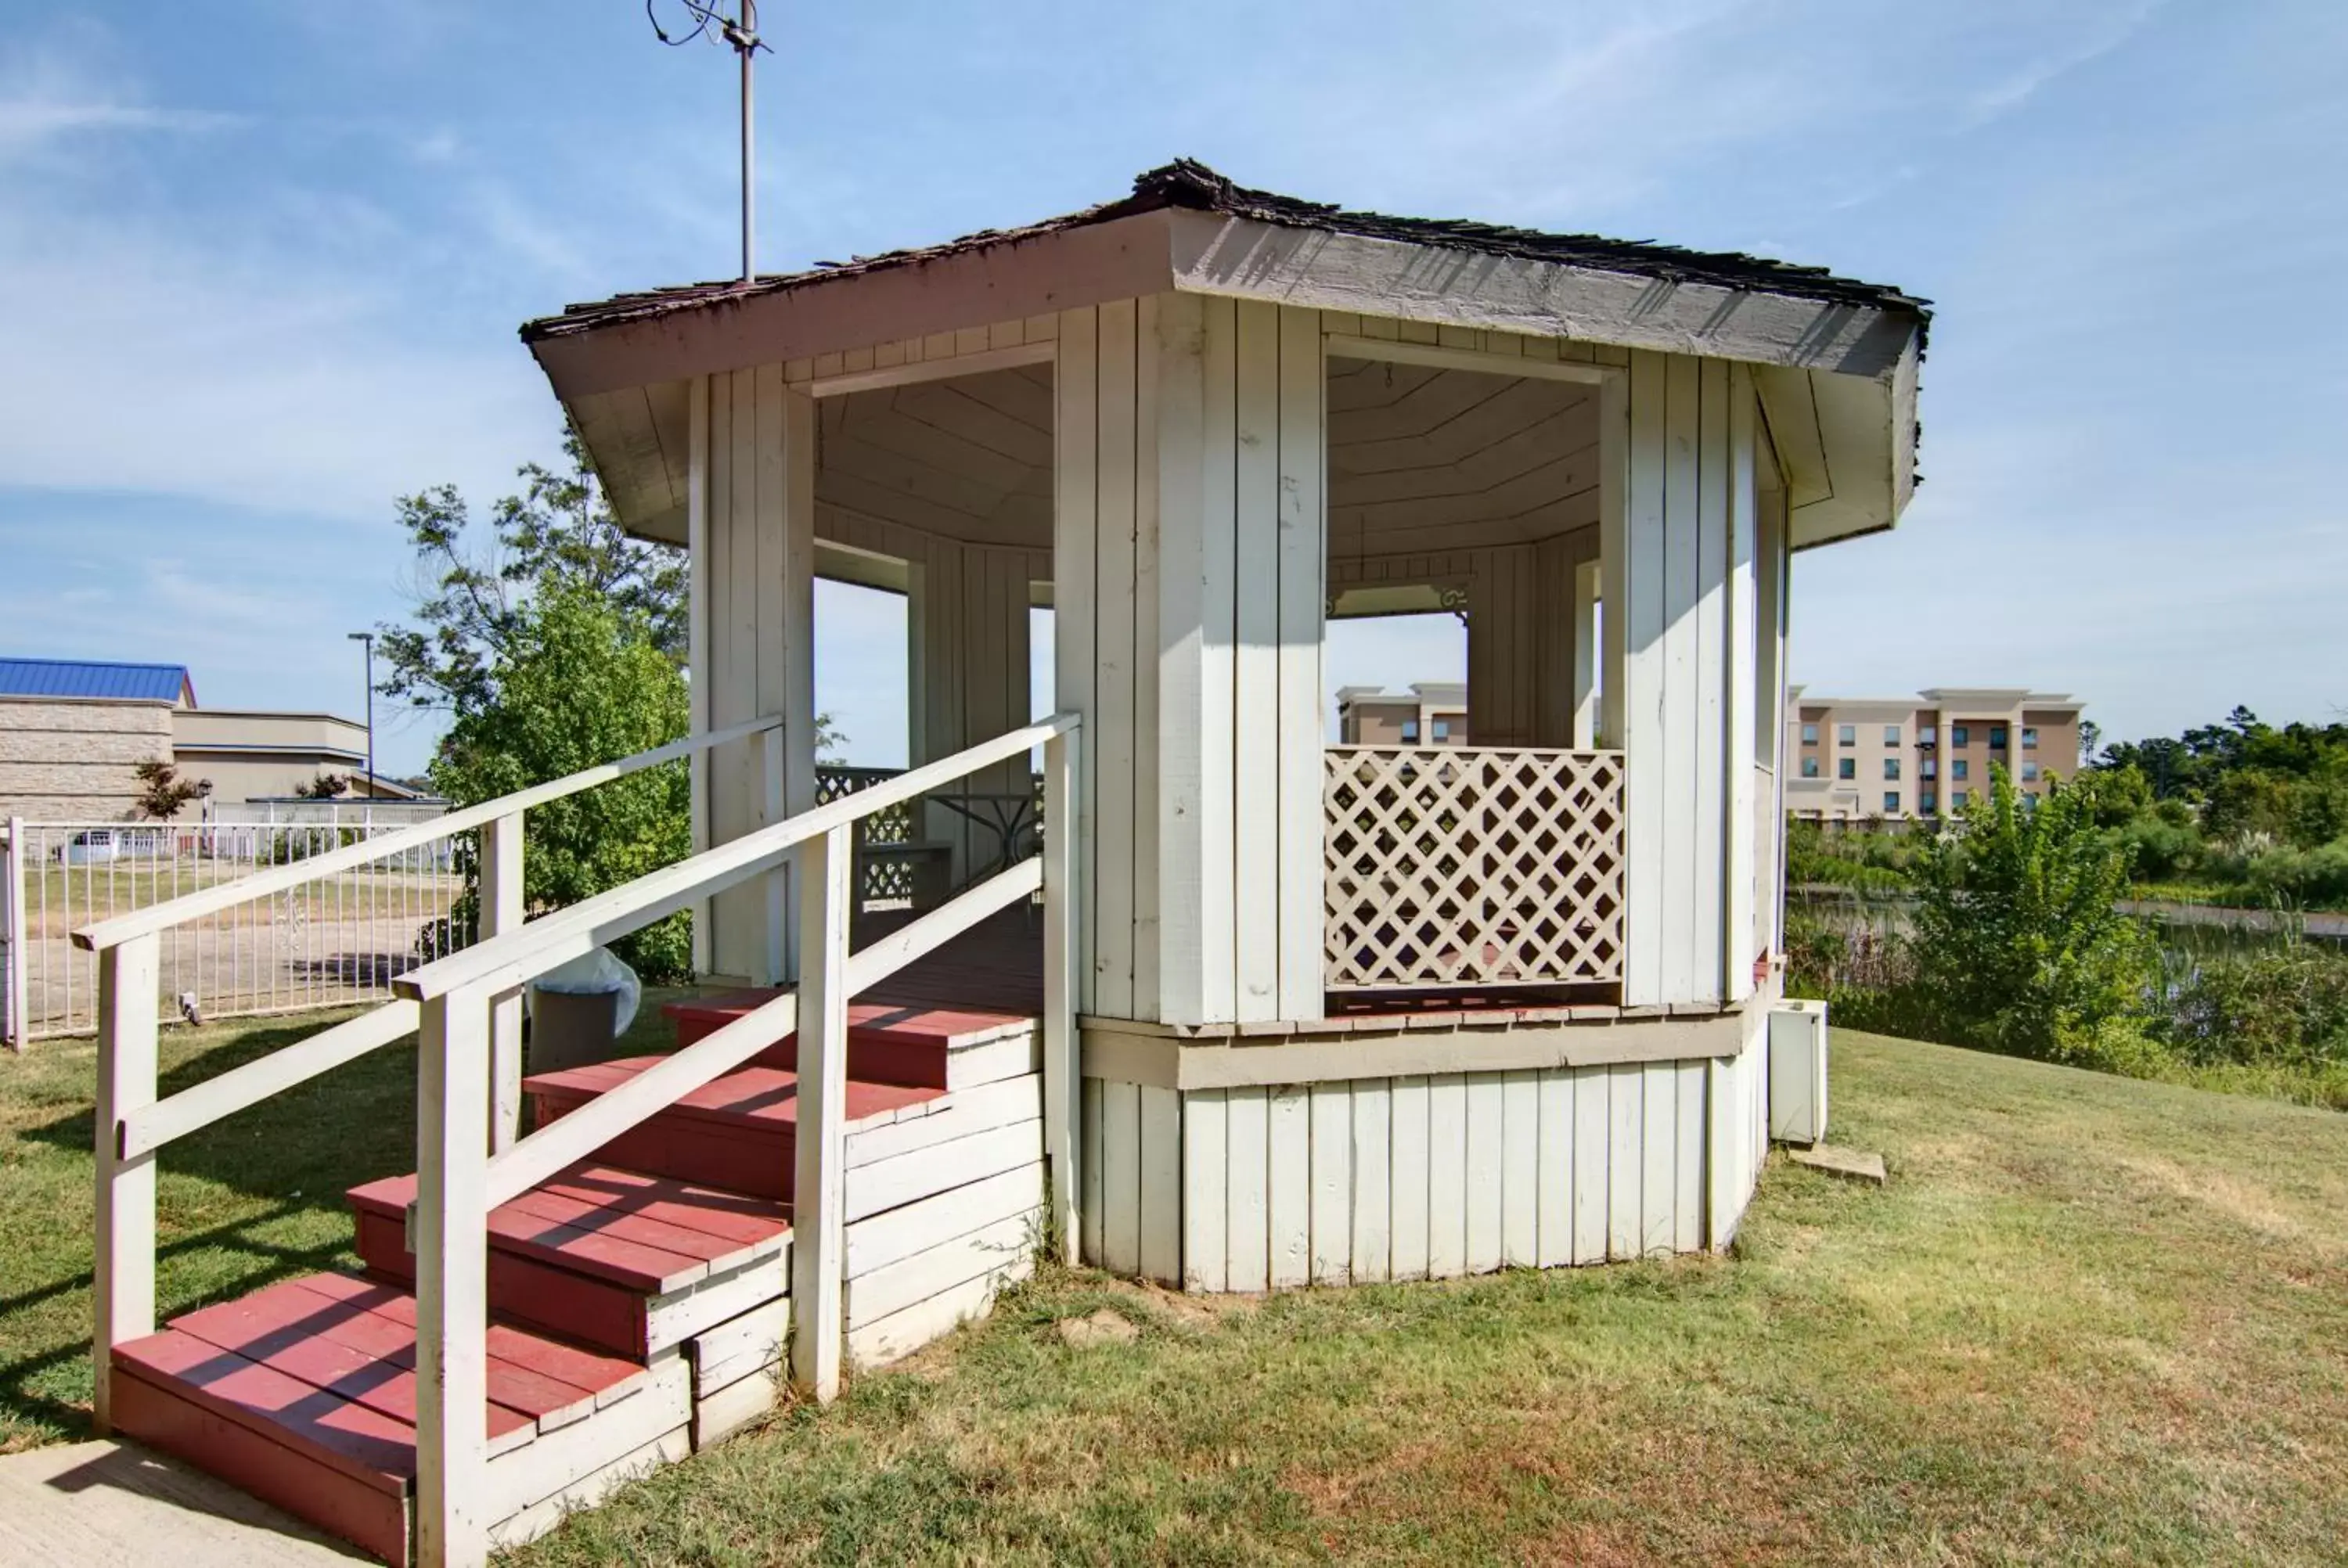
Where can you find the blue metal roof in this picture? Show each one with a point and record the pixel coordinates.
(94, 678)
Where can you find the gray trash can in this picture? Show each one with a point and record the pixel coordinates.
(579, 1011)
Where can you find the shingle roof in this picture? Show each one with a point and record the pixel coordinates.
(1193, 186)
(94, 678)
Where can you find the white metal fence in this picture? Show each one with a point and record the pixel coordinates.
(337, 939)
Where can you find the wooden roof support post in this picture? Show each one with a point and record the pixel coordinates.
(819, 1205)
(1063, 960)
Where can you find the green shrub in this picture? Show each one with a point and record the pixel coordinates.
(2285, 1005)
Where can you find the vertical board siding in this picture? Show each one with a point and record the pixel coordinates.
(1160, 1200)
(1206, 1161)
(1407, 1179)
(1288, 1160)
(1683, 580)
(1121, 1177)
(1372, 1250)
(1485, 1094)
(1362, 1181)
(1303, 569)
(1075, 428)
(1111, 725)
(1446, 1175)
(1333, 1182)
(754, 577)
(1742, 680)
(1255, 733)
(1088, 1225)
(1520, 1187)
(1247, 1213)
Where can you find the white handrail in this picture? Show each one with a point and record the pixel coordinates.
(220, 895)
(514, 958)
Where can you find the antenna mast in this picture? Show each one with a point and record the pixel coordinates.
(740, 33)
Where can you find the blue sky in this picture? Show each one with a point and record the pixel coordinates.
(263, 259)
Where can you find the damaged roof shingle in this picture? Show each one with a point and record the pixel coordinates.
(1193, 186)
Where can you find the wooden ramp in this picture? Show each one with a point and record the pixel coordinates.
(639, 1302)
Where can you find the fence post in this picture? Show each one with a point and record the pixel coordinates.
(16, 997)
(502, 912)
(820, 1179)
(1062, 1096)
(771, 756)
(124, 1274)
(450, 1238)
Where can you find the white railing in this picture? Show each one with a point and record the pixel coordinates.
(459, 1005)
(133, 1125)
(1449, 866)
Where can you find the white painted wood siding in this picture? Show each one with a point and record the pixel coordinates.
(754, 615)
(1678, 565)
(1233, 854)
(1367, 1180)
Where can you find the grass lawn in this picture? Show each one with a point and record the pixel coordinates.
(2091, 1319)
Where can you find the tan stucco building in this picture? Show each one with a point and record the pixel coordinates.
(1851, 758)
(1431, 713)
(74, 733)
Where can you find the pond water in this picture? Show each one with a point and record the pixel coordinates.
(2187, 938)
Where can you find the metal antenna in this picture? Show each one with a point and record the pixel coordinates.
(741, 34)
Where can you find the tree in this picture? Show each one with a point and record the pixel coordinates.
(162, 792)
(472, 593)
(325, 786)
(2091, 738)
(579, 679)
(2016, 936)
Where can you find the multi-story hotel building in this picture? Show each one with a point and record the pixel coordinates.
(1895, 757)
(1431, 713)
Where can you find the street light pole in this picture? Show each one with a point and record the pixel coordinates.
(366, 640)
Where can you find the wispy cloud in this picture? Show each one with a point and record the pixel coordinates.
(2099, 36)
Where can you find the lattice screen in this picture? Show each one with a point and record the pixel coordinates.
(1463, 867)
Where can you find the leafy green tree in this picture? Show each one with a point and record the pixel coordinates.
(473, 583)
(162, 793)
(578, 680)
(2015, 932)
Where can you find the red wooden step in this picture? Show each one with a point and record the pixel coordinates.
(303, 1393)
(887, 1043)
(585, 1253)
(735, 1132)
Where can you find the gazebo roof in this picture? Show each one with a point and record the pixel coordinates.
(1190, 186)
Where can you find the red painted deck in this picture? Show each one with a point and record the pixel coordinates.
(303, 1393)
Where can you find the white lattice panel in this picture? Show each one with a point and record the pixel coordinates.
(1462, 866)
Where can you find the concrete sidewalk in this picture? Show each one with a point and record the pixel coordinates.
(112, 1503)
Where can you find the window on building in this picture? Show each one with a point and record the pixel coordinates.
(1956, 800)
(1959, 769)
(2030, 773)
(1848, 768)
(1891, 800)
(1848, 734)
(1960, 735)
(1997, 737)
(1928, 735)
(1929, 804)
(1890, 735)
(1809, 767)
(2029, 737)
(1930, 767)
(1410, 732)
(1442, 731)
(1891, 767)
(1809, 734)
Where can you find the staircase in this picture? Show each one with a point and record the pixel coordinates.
(638, 1301)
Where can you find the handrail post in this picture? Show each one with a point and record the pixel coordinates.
(820, 1177)
(451, 1246)
(1062, 1137)
(772, 758)
(501, 910)
(12, 906)
(124, 1276)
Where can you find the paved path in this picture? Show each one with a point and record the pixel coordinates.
(98, 1504)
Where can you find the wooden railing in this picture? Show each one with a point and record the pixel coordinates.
(1450, 867)
(459, 1179)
